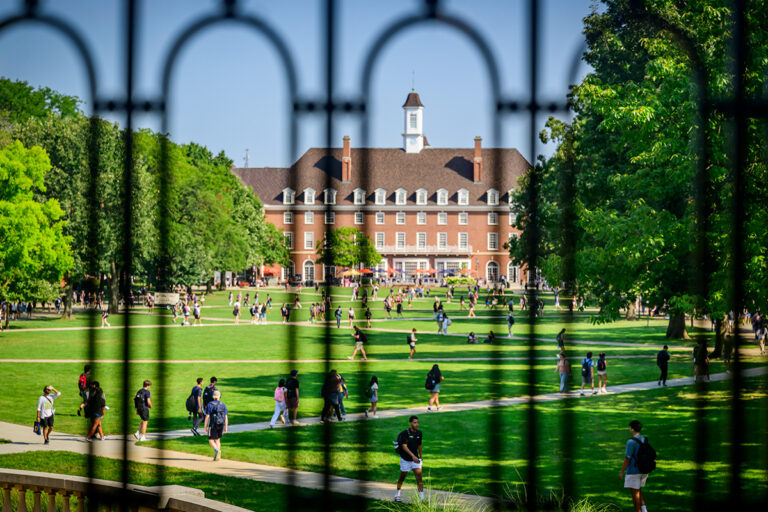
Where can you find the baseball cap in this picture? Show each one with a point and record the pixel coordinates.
(294, 372)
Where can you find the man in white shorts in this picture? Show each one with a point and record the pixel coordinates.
(408, 446)
(634, 479)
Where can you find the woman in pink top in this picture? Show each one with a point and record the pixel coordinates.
(279, 403)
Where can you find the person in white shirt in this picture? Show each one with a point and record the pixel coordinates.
(45, 410)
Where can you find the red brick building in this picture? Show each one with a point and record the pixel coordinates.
(423, 207)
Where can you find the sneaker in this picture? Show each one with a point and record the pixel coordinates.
(194, 432)
(215, 455)
(366, 413)
(375, 415)
(581, 393)
(79, 411)
(142, 438)
(429, 409)
(47, 441)
(594, 392)
(350, 357)
(137, 435)
(102, 438)
(89, 439)
(398, 499)
(282, 420)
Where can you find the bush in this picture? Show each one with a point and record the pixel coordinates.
(460, 281)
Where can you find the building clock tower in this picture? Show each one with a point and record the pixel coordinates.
(413, 135)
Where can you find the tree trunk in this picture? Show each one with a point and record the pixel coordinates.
(209, 286)
(631, 312)
(721, 325)
(114, 289)
(68, 300)
(676, 327)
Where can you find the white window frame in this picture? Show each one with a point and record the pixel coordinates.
(289, 196)
(287, 217)
(465, 216)
(465, 235)
(442, 240)
(493, 241)
(413, 120)
(421, 218)
(309, 240)
(309, 196)
(380, 243)
(400, 218)
(421, 196)
(359, 218)
(330, 217)
(493, 218)
(511, 235)
(493, 197)
(463, 197)
(442, 197)
(401, 196)
(400, 236)
(380, 196)
(509, 195)
(421, 240)
(309, 218)
(329, 196)
(380, 218)
(359, 196)
(442, 218)
(512, 218)
(289, 236)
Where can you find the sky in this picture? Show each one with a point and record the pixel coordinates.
(229, 89)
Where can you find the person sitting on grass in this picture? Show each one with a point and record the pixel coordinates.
(472, 339)
(491, 339)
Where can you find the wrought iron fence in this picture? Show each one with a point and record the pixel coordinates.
(738, 108)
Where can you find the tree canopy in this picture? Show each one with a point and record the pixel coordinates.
(347, 247)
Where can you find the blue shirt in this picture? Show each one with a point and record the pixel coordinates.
(213, 406)
(633, 447)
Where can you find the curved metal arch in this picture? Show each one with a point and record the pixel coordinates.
(71, 35)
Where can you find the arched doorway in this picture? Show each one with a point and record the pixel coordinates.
(289, 271)
(492, 271)
(309, 271)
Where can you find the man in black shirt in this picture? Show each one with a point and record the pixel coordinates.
(360, 340)
(409, 449)
(662, 361)
(292, 396)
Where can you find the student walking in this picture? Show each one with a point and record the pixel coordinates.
(602, 373)
(195, 406)
(142, 404)
(409, 448)
(434, 378)
(284, 312)
(561, 341)
(94, 409)
(216, 422)
(280, 406)
(588, 373)
(351, 315)
(45, 411)
(329, 392)
(564, 370)
(83, 385)
(639, 461)
(342, 393)
(338, 314)
(105, 316)
(373, 396)
(368, 316)
(360, 340)
(662, 361)
(292, 396)
(412, 342)
(510, 323)
(208, 392)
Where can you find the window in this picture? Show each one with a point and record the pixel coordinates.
(379, 240)
(442, 218)
(381, 196)
(442, 197)
(463, 218)
(287, 217)
(400, 240)
(512, 219)
(413, 120)
(309, 218)
(330, 196)
(493, 241)
(400, 195)
(463, 197)
(359, 196)
(493, 197)
(288, 196)
(442, 240)
(421, 240)
(493, 219)
(309, 196)
(400, 218)
(510, 195)
(358, 217)
(330, 217)
(421, 196)
(309, 240)
(516, 236)
(379, 217)
(463, 240)
(289, 238)
(421, 218)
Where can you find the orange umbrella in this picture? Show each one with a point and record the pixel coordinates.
(431, 271)
(420, 271)
(464, 271)
(366, 271)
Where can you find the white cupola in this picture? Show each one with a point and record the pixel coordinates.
(413, 135)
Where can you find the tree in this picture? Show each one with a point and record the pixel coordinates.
(32, 241)
(347, 247)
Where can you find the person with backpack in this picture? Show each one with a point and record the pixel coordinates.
(279, 397)
(408, 446)
(602, 373)
(45, 411)
(142, 404)
(216, 422)
(329, 392)
(662, 361)
(561, 341)
(510, 323)
(360, 340)
(95, 409)
(588, 373)
(292, 396)
(412, 342)
(639, 461)
(83, 384)
(338, 314)
(208, 392)
(434, 378)
(195, 406)
(373, 395)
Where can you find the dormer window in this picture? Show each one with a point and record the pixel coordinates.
(510, 194)
(463, 197)
(442, 197)
(330, 196)
(381, 196)
(421, 196)
(359, 196)
(400, 195)
(309, 196)
(289, 196)
(493, 197)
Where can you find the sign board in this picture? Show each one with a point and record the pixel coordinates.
(166, 298)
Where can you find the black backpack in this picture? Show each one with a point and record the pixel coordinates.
(138, 400)
(601, 365)
(218, 417)
(585, 368)
(191, 404)
(207, 395)
(646, 456)
(430, 383)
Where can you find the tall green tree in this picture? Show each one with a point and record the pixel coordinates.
(347, 247)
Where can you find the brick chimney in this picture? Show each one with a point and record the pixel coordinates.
(346, 161)
(477, 175)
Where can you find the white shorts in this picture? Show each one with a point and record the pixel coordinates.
(408, 465)
(635, 481)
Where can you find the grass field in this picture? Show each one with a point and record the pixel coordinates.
(249, 360)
